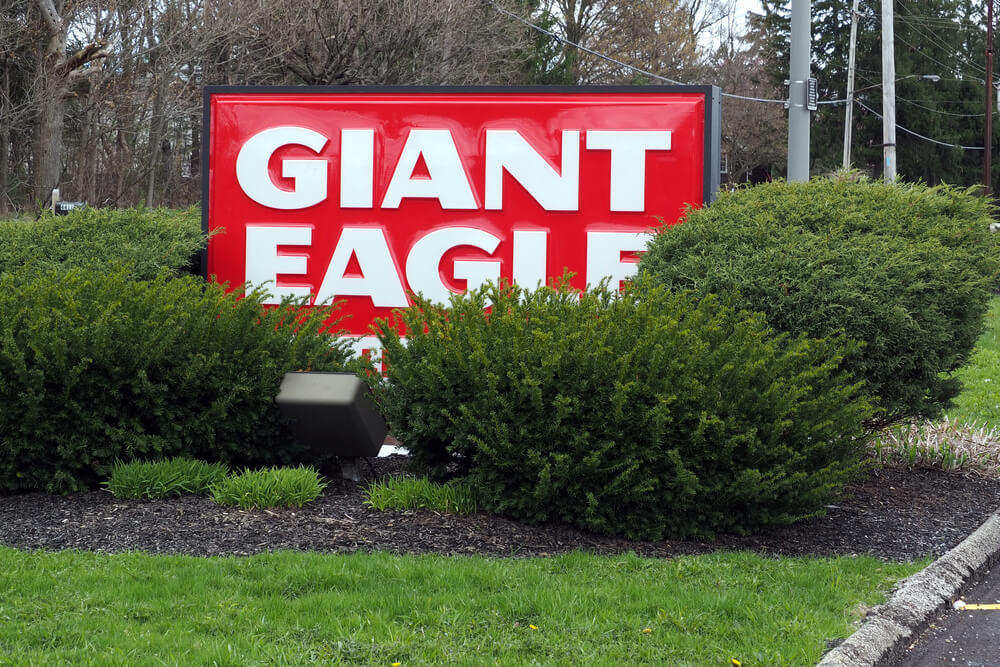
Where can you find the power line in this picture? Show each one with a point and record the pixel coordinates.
(904, 17)
(944, 113)
(867, 89)
(938, 62)
(919, 136)
(952, 101)
(607, 58)
(933, 39)
(597, 54)
(562, 40)
(936, 22)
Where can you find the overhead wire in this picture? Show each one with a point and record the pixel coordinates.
(562, 40)
(597, 54)
(942, 112)
(933, 59)
(934, 40)
(916, 134)
(932, 22)
(902, 16)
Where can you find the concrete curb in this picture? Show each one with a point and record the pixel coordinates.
(915, 600)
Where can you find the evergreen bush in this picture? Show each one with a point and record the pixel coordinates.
(147, 240)
(96, 367)
(905, 269)
(641, 413)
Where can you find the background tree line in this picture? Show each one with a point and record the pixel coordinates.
(102, 98)
(940, 38)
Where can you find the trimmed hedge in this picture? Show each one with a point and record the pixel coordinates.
(905, 269)
(96, 366)
(641, 413)
(147, 240)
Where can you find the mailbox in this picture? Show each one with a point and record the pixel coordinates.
(333, 414)
(64, 207)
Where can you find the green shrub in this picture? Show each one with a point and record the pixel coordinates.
(147, 240)
(640, 413)
(270, 487)
(403, 493)
(160, 479)
(96, 367)
(904, 269)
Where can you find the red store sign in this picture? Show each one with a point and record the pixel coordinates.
(366, 194)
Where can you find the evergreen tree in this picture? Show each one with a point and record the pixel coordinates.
(543, 57)
(941, 38)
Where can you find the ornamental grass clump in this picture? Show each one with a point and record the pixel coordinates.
(946, 445)
(403, 493)
(641, 413)
(161, 479)
(269, 487)
(904, 269)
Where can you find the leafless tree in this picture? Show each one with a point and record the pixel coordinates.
(103, 97)
(657, 36)
(392, 41)
(15, 109)
(60, 72)
(753, 132)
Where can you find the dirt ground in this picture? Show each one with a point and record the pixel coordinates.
(895, 514)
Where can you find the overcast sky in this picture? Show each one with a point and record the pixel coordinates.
(744, 6)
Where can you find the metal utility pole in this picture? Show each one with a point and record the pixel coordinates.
(888, 94)
(849, 115)
(798, 112)
(988, 134)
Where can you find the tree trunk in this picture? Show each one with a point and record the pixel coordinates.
(168, 160)
(90, 134)
(194, 162)
(155, 139)
(49, 136)
(123, 156)
(57, 73)
(49, 103)
(88, 155)
(5, 196)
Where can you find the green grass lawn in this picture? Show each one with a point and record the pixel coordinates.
(293, 608)
(979, 402)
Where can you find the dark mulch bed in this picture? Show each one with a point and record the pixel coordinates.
(895, 514)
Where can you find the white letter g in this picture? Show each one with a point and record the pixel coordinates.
(309, 175)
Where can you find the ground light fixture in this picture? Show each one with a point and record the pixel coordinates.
(334, 416)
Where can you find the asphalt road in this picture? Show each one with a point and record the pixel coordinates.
(966, 637)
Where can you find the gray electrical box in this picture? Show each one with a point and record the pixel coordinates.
(333, 414)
